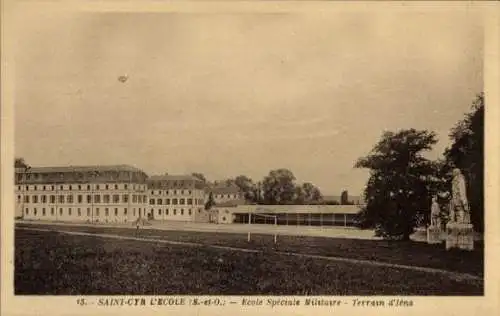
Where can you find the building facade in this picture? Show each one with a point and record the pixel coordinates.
(122, 193)
(176, 198)
(224, 193)
(81, 193)
(223, 196)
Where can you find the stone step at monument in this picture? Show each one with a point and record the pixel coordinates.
(434, 235)
(459, 236)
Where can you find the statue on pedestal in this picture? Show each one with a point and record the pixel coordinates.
(434, 230)
(435, 211)
(460, 233)
(459, 205)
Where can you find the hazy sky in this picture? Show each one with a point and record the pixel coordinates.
(230, 94)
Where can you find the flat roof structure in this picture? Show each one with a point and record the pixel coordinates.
(270, 209)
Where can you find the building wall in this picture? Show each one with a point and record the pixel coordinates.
(70, 202)
(179, 204)
(225, 197)
(202, 216)
(82, 202)
(225, 215)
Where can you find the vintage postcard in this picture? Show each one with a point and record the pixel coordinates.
(249, 157)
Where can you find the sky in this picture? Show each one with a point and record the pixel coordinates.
(236, 93)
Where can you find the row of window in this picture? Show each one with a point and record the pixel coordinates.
(174, 192)
(87, 187)
(174, 212)
(229, 196)
(168, 192)
(89, 213)
(176, 201)
(106, 198)
(106, 212)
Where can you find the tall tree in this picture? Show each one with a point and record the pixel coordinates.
(467, 153)
(316, 196)
(279, 187)
(344, 198)
(257, 192)
(400, 182)
(312, 194)
(300, 196)
(308, 189)
(246, 186)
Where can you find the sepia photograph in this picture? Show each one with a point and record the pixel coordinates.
(281, 153)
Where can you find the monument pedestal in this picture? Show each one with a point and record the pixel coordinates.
(459, 236)
(434, 235)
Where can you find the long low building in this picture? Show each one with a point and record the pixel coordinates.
(309, 215)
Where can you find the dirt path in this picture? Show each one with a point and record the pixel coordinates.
(312, 231)
(452, 275)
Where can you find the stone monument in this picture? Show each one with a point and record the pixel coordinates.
(459, 230)
(434, 230)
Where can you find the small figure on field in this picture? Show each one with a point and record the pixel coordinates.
(137, 227)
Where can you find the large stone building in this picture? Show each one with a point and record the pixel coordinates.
(107, 194)
(176, 198)
(81, 193)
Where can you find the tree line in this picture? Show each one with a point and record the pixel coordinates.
(402, 181)
(279, 187)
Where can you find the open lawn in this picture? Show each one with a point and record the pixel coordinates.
(58, 264)
(406, 253)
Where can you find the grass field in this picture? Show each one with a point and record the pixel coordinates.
(406, 253)
(57, 264)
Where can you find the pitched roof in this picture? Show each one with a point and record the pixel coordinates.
(97, 168)
(169, 177)
(81, 174)
(175, 182)
(219, 189)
